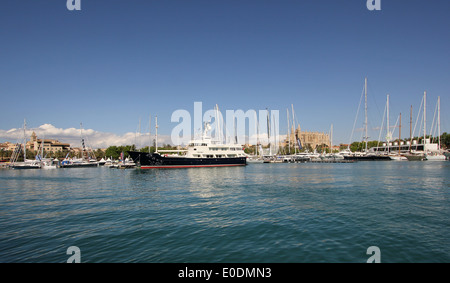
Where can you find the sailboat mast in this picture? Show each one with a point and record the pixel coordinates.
(295, 130)
(388, 136)
(257, 135)
(331, 139)
(365, 109)
(42, 151)
(82, 141)
(439, 123)
(410, 129)
(219, 125)
(24, 140)
(256, 131)
(276, 145)
(235, 132)
(288, 131)
(424, 118)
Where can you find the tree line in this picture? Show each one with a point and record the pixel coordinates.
(445, 142)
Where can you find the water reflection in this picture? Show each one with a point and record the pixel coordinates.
(285, 212)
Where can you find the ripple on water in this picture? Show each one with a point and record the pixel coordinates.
(257, 213)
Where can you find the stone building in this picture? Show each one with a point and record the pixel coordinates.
(7, 146)
(308, 139)
(49, 145)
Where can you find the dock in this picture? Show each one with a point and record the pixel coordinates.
(332, 161)
(307, 160)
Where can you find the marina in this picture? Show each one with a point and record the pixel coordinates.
(331, 144)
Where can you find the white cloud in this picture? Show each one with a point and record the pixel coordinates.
(94, 139)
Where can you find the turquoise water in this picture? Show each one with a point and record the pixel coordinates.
(259, 213)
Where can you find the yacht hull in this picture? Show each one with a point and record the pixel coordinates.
(154, 160)
(25, 167)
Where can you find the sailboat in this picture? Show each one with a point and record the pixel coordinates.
(257, 157)
(45, 163)
(427, 152)
(27, 163)
(437, 155)
(417, 155)
(331, 155)
(86, 160)
(393, 155)
(366, 155)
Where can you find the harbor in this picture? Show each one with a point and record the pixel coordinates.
(225, 139)
(209, 151)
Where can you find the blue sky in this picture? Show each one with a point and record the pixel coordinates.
(116, 61)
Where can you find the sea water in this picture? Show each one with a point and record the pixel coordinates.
(260, 213)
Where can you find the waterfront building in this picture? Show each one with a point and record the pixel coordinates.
(308, 139)
(50, 145)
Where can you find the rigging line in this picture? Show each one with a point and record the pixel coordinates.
(420, 128)
(356, 117)
(372, 98)
(433, 125)
(417, 119)
(382, 125)
(395, 126)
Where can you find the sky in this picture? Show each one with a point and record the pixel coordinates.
(115, 63)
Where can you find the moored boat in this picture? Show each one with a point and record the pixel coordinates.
(27, 164)
(22, 148)
(200, 153)
(78, 162)
(367, 157)
(415, 157)
(87, 158)
(254, 160)
(436, 157)
(397, 157)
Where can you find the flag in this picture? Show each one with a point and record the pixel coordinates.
(299, 143)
